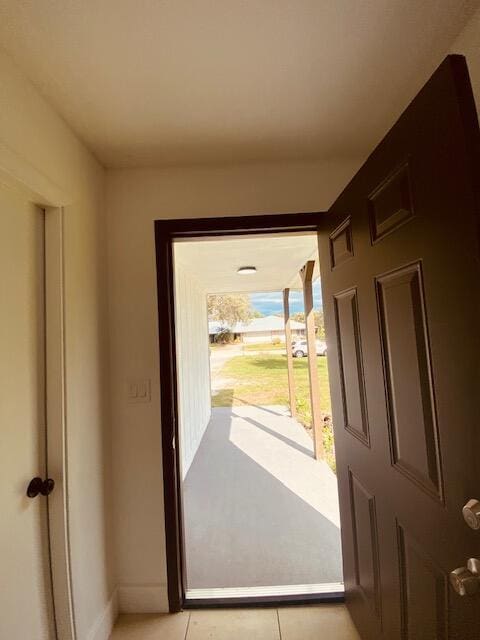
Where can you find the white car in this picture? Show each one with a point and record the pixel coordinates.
(299, 348)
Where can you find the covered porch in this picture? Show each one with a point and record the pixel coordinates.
(260, 503)
(259, 509)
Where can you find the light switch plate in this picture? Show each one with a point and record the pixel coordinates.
(138, 390)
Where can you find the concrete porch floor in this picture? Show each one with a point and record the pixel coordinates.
(259, 510)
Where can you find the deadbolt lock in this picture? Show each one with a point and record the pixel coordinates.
(466, 580)
(471, 514)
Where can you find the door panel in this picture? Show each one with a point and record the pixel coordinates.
(351, 364)
(25, 589)
(411, 411)
(365, 541)
(400, 274)
(423, 592)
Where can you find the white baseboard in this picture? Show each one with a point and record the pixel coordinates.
(103, 625)
(142, 598)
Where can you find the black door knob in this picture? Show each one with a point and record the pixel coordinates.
(37, 485)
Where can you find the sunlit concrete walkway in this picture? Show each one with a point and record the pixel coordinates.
(259, 509)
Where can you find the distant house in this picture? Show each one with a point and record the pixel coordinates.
(267, 329)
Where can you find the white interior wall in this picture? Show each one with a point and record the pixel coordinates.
(468, 44)
(33, 137)
(135, 198)
(193, 363)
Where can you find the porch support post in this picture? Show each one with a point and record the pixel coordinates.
(306, 274)
(288, 347)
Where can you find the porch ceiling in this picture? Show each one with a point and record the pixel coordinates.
(182, 82)
(277, 258)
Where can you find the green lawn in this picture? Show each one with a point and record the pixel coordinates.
(264, 346)
(262, 380)
(254, 346)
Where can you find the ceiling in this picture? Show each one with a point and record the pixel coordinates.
(278, 259)
(181, 82)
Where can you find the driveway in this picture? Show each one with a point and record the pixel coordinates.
(220, 355)
(218, 358)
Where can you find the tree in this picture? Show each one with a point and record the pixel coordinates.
(229, 309)
(299, 316)
(319, 323)
(224, 336)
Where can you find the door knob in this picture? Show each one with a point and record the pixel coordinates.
(471, 514)
(37, 485)
(466, 580)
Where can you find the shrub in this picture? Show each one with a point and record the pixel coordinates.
(304, 415)
(328, 444)
(224, 336)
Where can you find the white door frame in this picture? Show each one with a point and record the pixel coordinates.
(57, 460)
(18, 173)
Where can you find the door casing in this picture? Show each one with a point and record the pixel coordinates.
(166, 232)
(57, 460)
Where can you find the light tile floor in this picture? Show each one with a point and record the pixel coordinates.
(315, 622)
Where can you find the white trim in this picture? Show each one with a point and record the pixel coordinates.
(103, 625)
(57, 457)
(142, 598)
(261, 592)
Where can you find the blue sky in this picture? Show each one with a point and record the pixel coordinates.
(271, 303)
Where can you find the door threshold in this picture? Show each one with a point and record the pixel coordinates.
(282, 595)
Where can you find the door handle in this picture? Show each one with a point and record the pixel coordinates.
(466, 580)
(37, 485)
(471, 514)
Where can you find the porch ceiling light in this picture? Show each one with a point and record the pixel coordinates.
(246, 271)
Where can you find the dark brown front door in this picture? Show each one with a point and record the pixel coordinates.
(401, 290)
